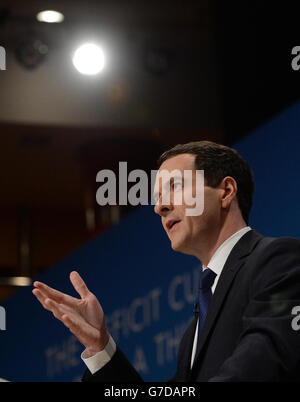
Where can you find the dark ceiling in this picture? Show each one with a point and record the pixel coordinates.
(243, 47)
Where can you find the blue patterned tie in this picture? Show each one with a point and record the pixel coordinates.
(206, 281)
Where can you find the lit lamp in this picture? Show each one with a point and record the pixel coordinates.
(50, 16)
(89, 59)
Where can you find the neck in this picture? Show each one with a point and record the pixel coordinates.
(216, 240)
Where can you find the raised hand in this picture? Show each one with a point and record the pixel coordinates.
(84, 317)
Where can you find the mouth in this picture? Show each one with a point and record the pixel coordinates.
(172, 225)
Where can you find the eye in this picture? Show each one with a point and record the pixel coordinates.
(177, 185)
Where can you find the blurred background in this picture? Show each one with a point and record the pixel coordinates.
(169, 71)
(174, 71)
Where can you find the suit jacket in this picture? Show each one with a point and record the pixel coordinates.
(248, 333)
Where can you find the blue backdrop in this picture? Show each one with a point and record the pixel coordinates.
(145, 288)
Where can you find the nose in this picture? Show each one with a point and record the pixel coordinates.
(162, 208)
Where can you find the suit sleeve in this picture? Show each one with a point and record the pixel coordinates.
(269, 347)
(118, 369)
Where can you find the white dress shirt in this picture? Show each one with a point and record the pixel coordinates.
(216, 264)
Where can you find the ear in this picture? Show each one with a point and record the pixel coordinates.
(229, 187)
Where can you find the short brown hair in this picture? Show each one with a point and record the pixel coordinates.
(219, 161)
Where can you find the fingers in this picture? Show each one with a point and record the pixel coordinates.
(79, 284)
(57, 309)
(59, 297)
(46, 302)
(39, 295)
(76, 330)
(86, 334)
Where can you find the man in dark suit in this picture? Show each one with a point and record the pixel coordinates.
(245, 328)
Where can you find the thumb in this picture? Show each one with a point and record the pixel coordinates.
(79, 284)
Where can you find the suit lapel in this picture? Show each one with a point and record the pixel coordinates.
(234, 262)
(188, 346)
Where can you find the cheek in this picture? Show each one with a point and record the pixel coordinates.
(211, 211)
(196, 225)
(210, 202)
(191, 225)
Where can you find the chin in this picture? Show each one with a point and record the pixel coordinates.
(178, 246)
(182, 246)
(175, 245)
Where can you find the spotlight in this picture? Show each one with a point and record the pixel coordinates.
(50, 16)
(31, 51)
(89, 59)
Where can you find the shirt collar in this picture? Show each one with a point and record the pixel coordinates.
(220, 256)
